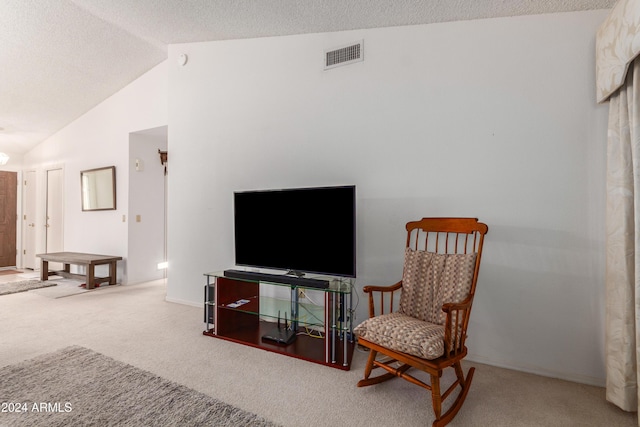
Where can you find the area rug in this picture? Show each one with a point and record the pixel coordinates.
(22, 286)
(76, 386)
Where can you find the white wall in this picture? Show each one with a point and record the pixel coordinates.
(99, 138)
(15, 162)
(490, 118)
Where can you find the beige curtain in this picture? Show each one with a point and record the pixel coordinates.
(623, 243)
(617, 44)
(618, 81)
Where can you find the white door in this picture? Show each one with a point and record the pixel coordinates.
(54, 222)
(29, 221)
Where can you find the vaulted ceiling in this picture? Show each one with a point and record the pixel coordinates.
(60, 58)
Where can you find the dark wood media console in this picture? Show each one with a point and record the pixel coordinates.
(244, 311)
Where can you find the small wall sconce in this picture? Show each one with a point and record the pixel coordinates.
(3, 159)
(163, 159)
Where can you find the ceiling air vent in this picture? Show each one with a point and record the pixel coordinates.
(343, 55)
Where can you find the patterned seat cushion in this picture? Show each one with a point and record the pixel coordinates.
(429, 280)
(404, 333)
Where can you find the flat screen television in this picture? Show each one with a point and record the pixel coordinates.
(303, 230)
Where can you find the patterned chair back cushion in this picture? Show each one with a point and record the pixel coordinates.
(431, 279)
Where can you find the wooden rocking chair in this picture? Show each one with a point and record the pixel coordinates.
(429, 328)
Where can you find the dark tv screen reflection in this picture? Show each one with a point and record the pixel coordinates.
(308, 230)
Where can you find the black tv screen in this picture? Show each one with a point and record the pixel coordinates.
(302, 229)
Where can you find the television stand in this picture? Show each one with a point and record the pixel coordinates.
(248, 310)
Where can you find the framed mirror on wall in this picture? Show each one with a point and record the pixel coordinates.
(98, 189)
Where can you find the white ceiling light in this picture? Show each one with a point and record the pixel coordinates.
(3, 159)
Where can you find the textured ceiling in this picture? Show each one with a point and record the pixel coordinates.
(60, 58)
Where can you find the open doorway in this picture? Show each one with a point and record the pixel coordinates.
(147, 205)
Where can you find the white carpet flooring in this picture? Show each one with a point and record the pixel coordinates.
(134, 324)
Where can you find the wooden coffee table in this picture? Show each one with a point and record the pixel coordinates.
(77, 258)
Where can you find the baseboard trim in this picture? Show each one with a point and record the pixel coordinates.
(184, 302)
(581, 379)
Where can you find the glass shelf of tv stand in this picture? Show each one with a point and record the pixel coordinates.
(310, 313)
(341, 285)
(309, 299)
(313, 313)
